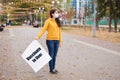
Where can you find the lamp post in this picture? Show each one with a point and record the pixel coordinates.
(0, 11)
(95, 12)
(30, 18)
(36, 13)
(56, 2)
(8, 21)
(41, 12)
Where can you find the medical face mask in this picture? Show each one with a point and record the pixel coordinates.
(56, 15)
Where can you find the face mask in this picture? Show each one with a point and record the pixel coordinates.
(56, 15)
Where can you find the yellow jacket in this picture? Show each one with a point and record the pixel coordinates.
(54, 32)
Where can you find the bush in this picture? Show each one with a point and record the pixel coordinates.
(16, 23)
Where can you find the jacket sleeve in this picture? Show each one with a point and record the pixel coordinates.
(43, 29)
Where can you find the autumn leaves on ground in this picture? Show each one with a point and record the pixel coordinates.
(100, 34)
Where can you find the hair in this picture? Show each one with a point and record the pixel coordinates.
(56, 19)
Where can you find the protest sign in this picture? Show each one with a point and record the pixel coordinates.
(36, 56)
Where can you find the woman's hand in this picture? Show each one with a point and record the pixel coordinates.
(36, 38)
(60, 45)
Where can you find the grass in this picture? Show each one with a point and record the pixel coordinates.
(100, 34)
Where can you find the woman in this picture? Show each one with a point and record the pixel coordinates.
(54, 37)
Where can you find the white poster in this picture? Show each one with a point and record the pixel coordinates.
(36, 56)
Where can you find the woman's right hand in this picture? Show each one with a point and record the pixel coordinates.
(36, 38)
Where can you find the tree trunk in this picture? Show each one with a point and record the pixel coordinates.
(110, 15)
(110, 22)
(97, 25)
(115, 24)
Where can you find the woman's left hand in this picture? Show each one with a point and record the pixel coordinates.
(60, 45)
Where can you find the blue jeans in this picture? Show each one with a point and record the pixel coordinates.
(52, 46)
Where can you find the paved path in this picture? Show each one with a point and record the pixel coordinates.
(79, 58)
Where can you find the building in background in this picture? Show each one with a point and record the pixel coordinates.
(80, 7)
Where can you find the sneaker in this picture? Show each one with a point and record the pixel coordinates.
(54, 71)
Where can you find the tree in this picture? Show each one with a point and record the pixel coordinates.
(116, 13)
(70, 14)
(101, 8)
(110, 8)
